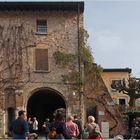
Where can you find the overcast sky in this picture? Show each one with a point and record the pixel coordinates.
(114, 29)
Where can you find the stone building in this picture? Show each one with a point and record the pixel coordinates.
(39, 67)
(31, 33)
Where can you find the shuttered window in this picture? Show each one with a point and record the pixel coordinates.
(41, 57)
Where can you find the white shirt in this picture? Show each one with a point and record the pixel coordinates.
(35, 125)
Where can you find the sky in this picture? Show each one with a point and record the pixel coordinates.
(114, 29)
(114, 32)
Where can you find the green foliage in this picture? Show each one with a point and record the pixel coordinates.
(63, 59)
(92, 71)
(85, 55)
(85, 49)
(99, 70)
(65, 78)
(73, 77)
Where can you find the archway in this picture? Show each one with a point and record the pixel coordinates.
(43, 103)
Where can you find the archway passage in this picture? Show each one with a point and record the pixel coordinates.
(43, 104)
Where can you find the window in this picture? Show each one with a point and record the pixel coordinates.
(42, 26)
(122, 102)
(115, 84)
(41, 58)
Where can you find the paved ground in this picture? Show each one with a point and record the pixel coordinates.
(39, 138)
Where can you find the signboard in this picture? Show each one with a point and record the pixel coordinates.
(101, 113)
(105, 129)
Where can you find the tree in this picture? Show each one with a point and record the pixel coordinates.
(130, 87)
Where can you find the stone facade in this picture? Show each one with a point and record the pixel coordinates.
(62, 35)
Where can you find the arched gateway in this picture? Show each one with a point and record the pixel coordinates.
(44, 103)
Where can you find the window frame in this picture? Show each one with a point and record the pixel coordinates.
(111, 81)
(41, 32)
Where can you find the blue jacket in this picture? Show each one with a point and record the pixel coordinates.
(19, 128)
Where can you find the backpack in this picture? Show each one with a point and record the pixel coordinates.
(95, 134)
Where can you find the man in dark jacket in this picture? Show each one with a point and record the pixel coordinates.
(20, 126)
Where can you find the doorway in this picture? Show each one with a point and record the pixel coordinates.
(92, 111)
(43, 104)
(11, 118)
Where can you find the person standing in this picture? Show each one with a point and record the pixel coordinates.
(46, 128)
(93, 129)
(35, 125)
(78, 122)
(58, 130)
(30, 124)
(72, 128)
(20, 127)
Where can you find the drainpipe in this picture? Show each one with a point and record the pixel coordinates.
(78, 34)
(79, 59)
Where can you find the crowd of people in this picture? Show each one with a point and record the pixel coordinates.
(59, 128)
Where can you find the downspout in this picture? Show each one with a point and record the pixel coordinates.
(79, 60)
(78, 36)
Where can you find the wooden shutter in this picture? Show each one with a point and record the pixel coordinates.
(41, 57)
